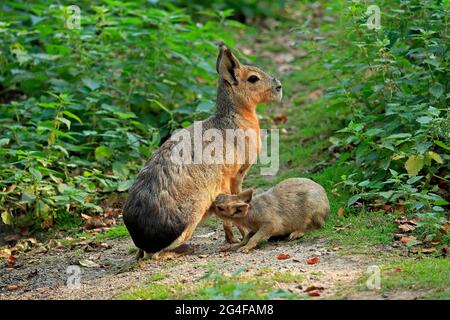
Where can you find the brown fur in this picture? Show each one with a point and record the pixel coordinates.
(168, 200)
(290, 208)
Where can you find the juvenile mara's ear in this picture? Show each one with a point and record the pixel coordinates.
(246, 195)
(227, 65)
(241, 208)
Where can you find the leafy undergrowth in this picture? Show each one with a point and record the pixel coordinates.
(427, 274)
(82, 108)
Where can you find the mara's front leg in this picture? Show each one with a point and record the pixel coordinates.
(229, 236)
(262, 234)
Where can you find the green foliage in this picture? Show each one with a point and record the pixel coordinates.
(82, 109)
(243, 10)
(396, 80)
(427, 274)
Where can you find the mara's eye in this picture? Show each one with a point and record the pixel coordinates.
(220, 208)
(252, 79)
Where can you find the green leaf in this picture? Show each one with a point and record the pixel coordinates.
(4, 141)
(413, 165)
(205, 106)
(125, 115)
(353, 199)
(27, 197)
(125, 185)
(7, 217)
(91, 83)
(120, 169)
(442, 145)
(36, 174)
(73, 116)
(65, 121)
(102, 153)
(424, 119)
(437, 90)
(436, 157)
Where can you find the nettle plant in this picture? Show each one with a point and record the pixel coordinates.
(396, 79)
(82, 109)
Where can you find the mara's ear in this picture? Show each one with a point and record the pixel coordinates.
(241, 208)
(246, 195)
(227, 65)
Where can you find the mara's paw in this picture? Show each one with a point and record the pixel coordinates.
(164, 256)
(244, 249)
(296, 235)
(232, 240)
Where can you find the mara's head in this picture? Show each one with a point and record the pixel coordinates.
(233, 206)
(249, 85)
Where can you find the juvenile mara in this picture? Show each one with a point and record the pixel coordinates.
(290, 208)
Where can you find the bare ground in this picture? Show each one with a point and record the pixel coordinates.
(43, 275)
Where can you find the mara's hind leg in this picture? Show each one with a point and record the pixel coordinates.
(140, 254)
(170, 252)
(296, 235)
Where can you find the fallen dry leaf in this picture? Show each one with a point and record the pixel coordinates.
(405, 240)
(398, 270)
(88, 263)
(428, 250)
(445, 249)
(313, 260)
(385, 207)
(313, 287)
(406, 227)
(314, 294)
(11, 188)
(282, 118)
(11, 261)
(12, 287)
(316, 94)
(283, 256)
(340, 212)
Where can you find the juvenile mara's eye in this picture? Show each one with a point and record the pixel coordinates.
(220, 208)
(252, 79)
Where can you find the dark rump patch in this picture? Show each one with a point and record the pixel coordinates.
(151, 227)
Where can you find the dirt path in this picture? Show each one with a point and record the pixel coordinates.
(39, 275)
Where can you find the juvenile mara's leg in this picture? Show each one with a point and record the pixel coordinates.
(229, 236)
(262, 234)
(244, 241)
(296, 235)
(242, 231)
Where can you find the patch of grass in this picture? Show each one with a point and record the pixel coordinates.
(132, 249)
(157, 291)
(213, 286)
(287, 277)
(212, 222)
(358, 232)
(116, 232)
(157, 276)
(429, 273)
